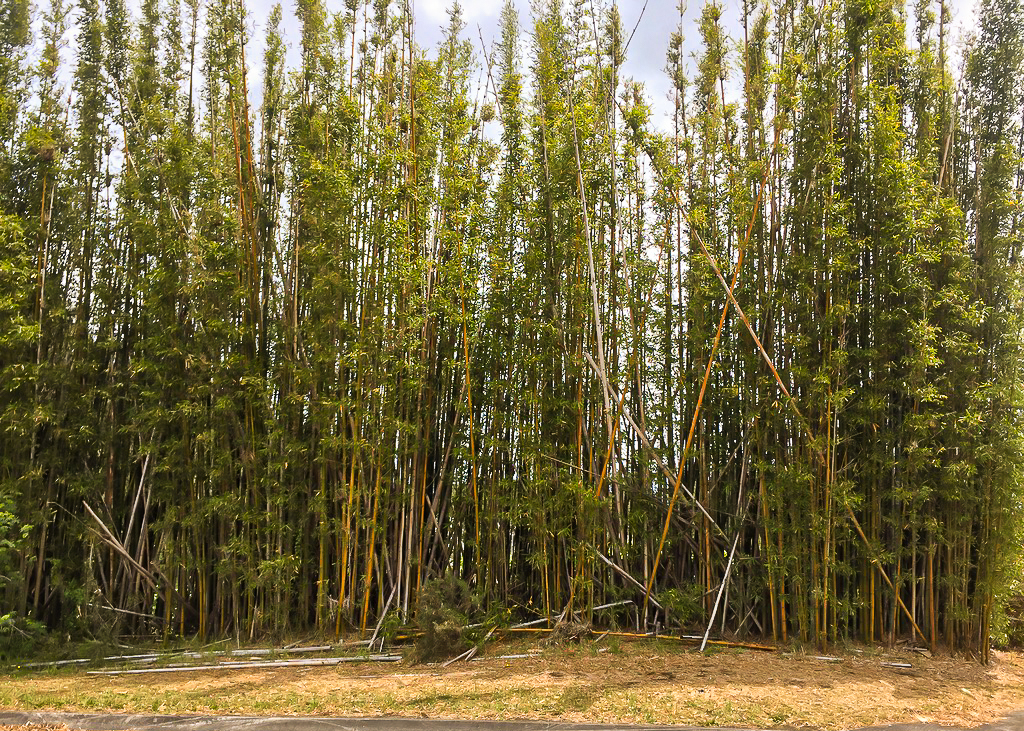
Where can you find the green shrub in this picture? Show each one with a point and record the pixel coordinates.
(20, 637)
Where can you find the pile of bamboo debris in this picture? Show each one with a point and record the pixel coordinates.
(327, 655)
(331, 655)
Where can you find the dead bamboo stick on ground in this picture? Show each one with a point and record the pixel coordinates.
(468, 654)
(55, 663)
(455, 659)
(276, 650)
(327, 661)
(253, 652)
(650, 635)
(531, 623)
(153, 656)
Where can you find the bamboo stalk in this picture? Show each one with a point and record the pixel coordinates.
(320, 662)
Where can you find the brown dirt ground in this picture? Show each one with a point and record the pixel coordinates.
(630, 683)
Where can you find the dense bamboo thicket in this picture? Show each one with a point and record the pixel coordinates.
(272, 361)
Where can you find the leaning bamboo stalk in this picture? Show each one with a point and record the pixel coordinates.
(135, 508)
(711, 359)
(111, 541)
(383, 614)
(721, 590)
(371, 551)
(627, 576)
(732, 555)
(598, 327)
(595, 303)
(469, 408)
(878, 567)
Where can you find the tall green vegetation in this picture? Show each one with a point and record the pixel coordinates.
(272, 362)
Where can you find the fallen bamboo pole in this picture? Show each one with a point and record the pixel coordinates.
(55, 663)
(153, 656)
(651, 636)
(542, 620)
(327, 661)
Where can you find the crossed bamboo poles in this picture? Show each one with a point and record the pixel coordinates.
(729, 288)
(796, 410)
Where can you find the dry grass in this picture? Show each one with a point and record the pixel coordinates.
(633, 683)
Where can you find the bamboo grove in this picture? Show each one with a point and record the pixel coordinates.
(281, 345)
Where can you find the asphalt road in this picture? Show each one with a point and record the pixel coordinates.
(130, 722)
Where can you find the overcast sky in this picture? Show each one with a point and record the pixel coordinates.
(645, 58)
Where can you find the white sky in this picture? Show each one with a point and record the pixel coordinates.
(654, 21)
(645, 58)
